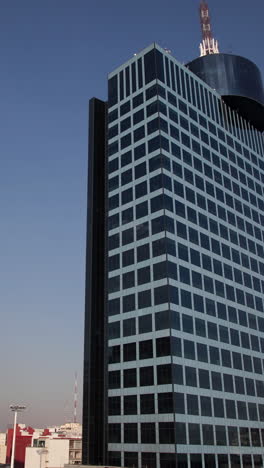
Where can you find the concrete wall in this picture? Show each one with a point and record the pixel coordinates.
(2, 447)
(56, 457)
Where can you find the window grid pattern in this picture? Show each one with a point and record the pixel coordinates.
(186, 271)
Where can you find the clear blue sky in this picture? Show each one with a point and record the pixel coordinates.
(54, 56)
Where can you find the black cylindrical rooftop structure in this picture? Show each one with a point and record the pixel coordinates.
(237, 80)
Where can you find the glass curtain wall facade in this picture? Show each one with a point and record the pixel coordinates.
(185, 273)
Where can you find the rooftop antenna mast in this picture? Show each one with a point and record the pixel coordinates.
(75, 399)
(208, 45)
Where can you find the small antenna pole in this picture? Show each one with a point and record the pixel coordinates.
(208, 45)
(75, 399)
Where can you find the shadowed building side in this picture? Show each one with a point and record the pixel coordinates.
(94, 349)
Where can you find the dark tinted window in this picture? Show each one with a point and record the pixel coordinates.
(147, 405)
(165, 403)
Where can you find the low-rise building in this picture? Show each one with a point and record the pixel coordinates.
(53, 450)
(52, 447)
(2, 447)
(75, 451)
(23, 439)
(48, 453)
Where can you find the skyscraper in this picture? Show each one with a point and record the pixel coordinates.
(174, 332)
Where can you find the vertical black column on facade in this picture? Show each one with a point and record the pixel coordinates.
(94, 340)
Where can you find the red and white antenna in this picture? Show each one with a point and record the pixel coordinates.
(75, 399)
(208, 45)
